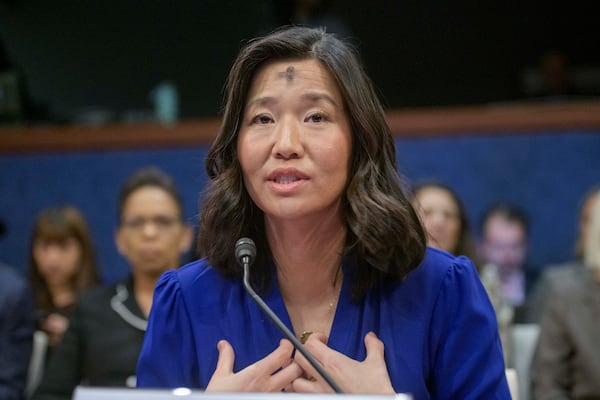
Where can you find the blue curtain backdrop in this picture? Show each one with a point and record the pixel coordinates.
(545, 173)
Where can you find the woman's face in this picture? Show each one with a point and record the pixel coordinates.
(440, 215)
(152, 235)
(57, 261)
(294, 143)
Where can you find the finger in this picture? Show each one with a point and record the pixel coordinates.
(276, 360)
(288, 388)
(281, 357)
(320, 336)
(304, 385)
(316, 342)
(317, 347)
(285, 377)
(278, 366)
(305, 365)
(286, 346)
(226, 358)
(375, 347)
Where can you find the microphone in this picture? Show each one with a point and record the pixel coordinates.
(245, 252)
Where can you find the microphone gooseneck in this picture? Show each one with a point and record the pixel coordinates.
(245, 253)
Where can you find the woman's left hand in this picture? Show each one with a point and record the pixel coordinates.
(368, 376)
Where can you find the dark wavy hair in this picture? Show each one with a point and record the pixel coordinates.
(384, 235)
(57, 224)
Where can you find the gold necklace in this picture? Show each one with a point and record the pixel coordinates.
(336, 279)
(306, 333)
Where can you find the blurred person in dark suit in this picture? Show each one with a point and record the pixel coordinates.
(554, 273)
(16, 333)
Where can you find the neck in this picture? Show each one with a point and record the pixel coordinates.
(62, 295)
(143, 289)
(309, 273)
(307, 257)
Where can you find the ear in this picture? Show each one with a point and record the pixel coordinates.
(187, 236)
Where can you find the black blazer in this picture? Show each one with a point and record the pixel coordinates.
(101, 345)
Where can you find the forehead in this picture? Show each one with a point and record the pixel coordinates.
(498, 225)
(150, 199)
(293, 74)
(436, 196)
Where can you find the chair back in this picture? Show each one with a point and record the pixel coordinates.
(523, 339)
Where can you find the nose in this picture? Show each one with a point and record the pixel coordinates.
(54, 254)
(288, 142)
(150, 229)
(436, 219)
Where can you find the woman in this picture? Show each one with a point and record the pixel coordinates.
(103, 341)
(444, 218)
(304, 164)
(62, 266)
(566, 362)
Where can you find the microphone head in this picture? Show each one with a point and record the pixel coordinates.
(245, 247)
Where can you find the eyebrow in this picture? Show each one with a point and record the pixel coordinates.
(312, 97)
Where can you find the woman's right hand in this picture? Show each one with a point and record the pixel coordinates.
(55, 326)
(274, 373)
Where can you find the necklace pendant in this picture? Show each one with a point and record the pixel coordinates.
(304, 336)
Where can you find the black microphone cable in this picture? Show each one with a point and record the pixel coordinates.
(245, 252)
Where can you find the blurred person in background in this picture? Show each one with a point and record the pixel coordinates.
(504, 246)
(62, 265)
(106, 330)
(503, 252)
(551, 273)
(16, 333)
(443, 216)
(506, 276)
(566, 362)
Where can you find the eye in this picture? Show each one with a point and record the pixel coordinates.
(317, 117)
(165, 222)
(262, 119)
(134, 223)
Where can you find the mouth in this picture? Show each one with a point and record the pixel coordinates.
(286, 176)
(287, 179)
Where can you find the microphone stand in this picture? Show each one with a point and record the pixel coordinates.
(284, 329)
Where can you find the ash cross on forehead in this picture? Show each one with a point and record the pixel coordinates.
(288, 74)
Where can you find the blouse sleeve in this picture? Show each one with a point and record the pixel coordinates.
(167, 358)
(468, 358)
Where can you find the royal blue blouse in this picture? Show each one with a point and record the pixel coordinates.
(438, 326)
